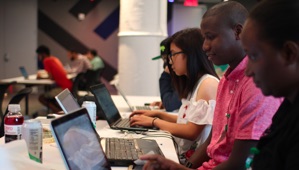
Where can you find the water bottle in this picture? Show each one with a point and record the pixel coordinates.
(13, 122)
(253, 151)
(92, 111)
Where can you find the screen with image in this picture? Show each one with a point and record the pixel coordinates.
(80, 144)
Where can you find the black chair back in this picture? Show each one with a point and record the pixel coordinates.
(14, 100)
(84, 80)
(3, 88)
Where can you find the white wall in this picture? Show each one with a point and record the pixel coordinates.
(2, 39)
(142, 27)
(186, 17)
(81, 30)
(18, 36)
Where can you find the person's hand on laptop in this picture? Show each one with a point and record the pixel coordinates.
(150, 113)
(158, 162)
(141, 120)
(157, 104)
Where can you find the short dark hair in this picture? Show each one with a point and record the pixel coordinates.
(93, 52)
(42, 49)
(231, 12)
(277, 20)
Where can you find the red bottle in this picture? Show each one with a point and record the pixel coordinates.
(13, 123)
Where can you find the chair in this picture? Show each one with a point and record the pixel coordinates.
(83, 81)
(79, 78)
(3, 87)
(14, 100)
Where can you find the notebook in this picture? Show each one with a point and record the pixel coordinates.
(67, 101)
(132, 108)
(23, 72)
(113, 117)
(85, 152)
(67, 128)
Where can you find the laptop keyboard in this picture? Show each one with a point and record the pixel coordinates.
(122, 149)
(124, 123)
(143, 108)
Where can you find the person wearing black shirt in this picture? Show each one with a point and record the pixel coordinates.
(170, 99)
(271, 39)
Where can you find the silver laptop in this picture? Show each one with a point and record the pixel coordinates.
(67, 101)
(132, 108)
(78, 142)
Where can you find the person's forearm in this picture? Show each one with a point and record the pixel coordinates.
(200, 155)
(166, 116)
(238, 156)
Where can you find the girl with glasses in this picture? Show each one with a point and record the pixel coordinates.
(196, 82)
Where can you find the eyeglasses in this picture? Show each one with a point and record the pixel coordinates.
(170, 56)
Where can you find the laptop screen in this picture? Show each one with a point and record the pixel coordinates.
(66, 101)
(23, 72)
(123, 95)
(105, 102)
(78, 142)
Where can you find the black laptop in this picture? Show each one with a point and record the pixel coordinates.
(113, 117)
(78, 142)
(86, 152)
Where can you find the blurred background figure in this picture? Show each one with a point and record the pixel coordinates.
(56, 72)
(170, 100)
(95, 60)
(78, 62)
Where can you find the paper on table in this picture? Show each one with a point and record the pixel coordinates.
(14, 156)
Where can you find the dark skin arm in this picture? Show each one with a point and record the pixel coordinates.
(240, 152)
(200, 155)
(237, 158)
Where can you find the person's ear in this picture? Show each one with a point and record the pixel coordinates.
(238, 29)
(290, 52)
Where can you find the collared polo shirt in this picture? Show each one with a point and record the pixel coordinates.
(242, 112)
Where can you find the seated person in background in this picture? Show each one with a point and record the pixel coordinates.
(78, 62)
(196, 82)
(242, 112)
(56, 72)
(95, 60)
(273, 53)
(170, 98)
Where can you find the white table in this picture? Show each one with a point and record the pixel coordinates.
(52, 159)
(32, 81)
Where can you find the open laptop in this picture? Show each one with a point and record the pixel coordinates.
(113, 117)
(67, 128)
(132, 108)
(24, 72)
(67, 101)
(78, 142)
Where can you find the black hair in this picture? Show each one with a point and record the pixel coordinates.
(277, 21)
(190, 42)
(232, 12)
(43, 50)
(93, 52)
